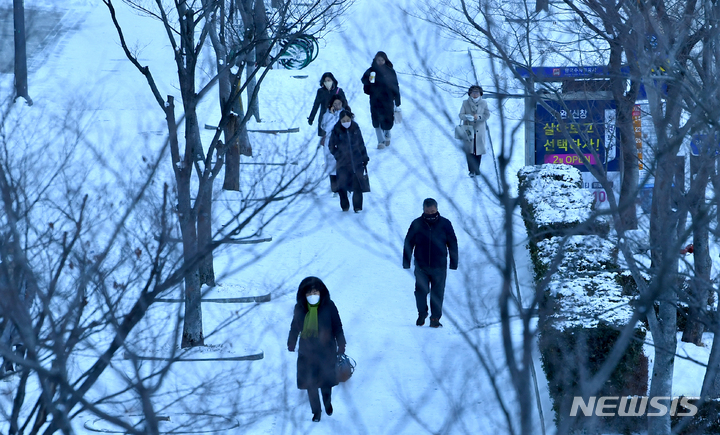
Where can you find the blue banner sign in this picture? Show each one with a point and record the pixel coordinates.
(700, 144)
(551, 73)
(590, 125)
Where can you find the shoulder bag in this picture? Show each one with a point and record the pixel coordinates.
(464, 132)
(344, 368)
(364, 181)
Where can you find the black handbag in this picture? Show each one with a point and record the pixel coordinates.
(364, 181)
(344, 368)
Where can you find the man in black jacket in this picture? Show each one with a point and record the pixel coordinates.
(431, 236)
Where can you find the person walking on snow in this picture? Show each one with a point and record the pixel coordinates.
(347, 146)
(431, 236)
(328, 88)
(380, 82)
(317, 321)
(329, 119)
(474, 111)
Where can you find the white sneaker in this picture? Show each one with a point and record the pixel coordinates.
(387, 142)
(381, 146)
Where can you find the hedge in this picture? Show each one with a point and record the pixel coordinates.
(588, 300)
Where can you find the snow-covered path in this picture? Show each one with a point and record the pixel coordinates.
(409, 379)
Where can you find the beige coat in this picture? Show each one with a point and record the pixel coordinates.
(469, 107)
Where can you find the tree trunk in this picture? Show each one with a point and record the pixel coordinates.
(664, 269)
(260, 24)
(699, 290)
(204, 227)
(711, 382)
(253, 103)
(628, 148)
(665, 339)
(232, 157)
(192, 323)
(21, 71)
(630, 169)
(203, 219)
(231, 160)
(243, 139)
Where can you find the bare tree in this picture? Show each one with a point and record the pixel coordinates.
(82, 266)
(187, 26)
(674, 71)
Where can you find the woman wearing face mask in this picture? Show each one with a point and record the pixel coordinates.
(329, 119)
(381, 83)
(347, 146)
(328, 88)
(317, 321)
(474, 111)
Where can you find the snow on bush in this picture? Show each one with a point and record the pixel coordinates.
(579, 254)
(587, 300)
(554, 194)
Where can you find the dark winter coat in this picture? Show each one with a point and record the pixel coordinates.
(317, 356)
(431, 243)
(348, 148)
(322, 100)
(384, 94)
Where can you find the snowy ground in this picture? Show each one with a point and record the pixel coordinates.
(408, 379)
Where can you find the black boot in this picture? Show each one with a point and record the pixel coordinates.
(316, 417)
(420, 320)
(326, 397)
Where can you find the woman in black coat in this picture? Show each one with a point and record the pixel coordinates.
(347, 146)
(317, 321)
(380, 82)
(328, 88)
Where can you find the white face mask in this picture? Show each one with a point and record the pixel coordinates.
(313, 299)
(328, 84)
(475, 99)
(346, 124)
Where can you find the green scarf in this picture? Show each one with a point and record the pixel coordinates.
(310, 326)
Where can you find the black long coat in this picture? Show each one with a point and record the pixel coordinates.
(384, 94)
(317, 357)
(431, 243)
(348, 148)
(322, 100)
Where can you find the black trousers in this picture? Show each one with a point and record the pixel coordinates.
(473, 163)
(315, 398)
(357, 196)
(430, 280)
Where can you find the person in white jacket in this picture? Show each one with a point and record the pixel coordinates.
(474, 111)
(329, 119)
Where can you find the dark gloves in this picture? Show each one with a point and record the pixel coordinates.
(310, 121)
(341, 350)
(291, 347)
(453, 267)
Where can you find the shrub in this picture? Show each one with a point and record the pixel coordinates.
(588, 300)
